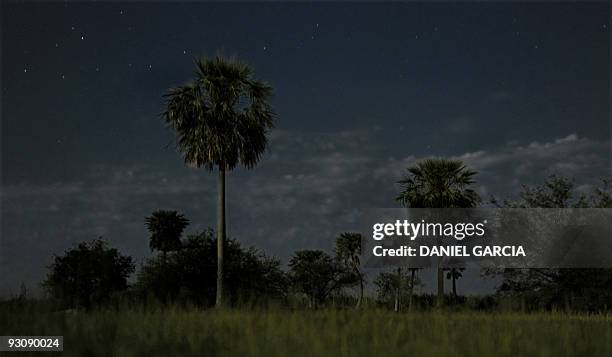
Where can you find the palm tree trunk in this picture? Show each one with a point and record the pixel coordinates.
(412, 274)
(220, 236)
(440, 285)
(360, 289)
(398, 290)
(454, 282)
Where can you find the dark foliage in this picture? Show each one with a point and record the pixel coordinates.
(222, 117)
(453, 274)
(166, 228)
(189, 274)
(348, 251)
(88, 274)
(575, 289)
(316, 274)
(560, 192)
(438, 183)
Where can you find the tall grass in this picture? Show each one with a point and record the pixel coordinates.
(278, 332)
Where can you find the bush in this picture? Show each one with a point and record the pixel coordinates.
(88, 275)
(188, 275)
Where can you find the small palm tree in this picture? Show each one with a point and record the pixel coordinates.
(348, 250)
(166, 228)
(454, 274)
(438, 183)
(221, 120)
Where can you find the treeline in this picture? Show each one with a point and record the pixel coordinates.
(184, 271)
(93, 274)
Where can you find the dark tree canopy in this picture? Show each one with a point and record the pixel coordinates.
(88, 274)
(560, 192)
(166, 228)
(348, 248)
(222, 117)
(316, 274)
(583, 289)
(189, 273)
(438, 183)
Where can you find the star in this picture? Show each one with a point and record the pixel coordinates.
(25, 70)
(265, 48)
(82, 38)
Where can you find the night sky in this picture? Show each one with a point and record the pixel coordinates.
(362, 90)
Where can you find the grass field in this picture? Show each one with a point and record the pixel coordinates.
(176, 332)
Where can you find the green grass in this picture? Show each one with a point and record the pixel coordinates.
(176, 332)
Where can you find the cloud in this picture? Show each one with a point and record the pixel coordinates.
(506, 168)
(570, 155)
(308, 188)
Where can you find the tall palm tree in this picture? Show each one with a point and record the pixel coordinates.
(348, 250)
(166, 228)
(221, 120)
(438, 183)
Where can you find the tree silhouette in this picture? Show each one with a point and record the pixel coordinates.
(189, 274)
(348, 251)
(166, 228)
(438, 183)
(221, 120)
(316, 274)
(454, 274)
(394, 286)
(585, 289)
(88, 274)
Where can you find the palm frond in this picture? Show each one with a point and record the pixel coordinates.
(222, 118)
